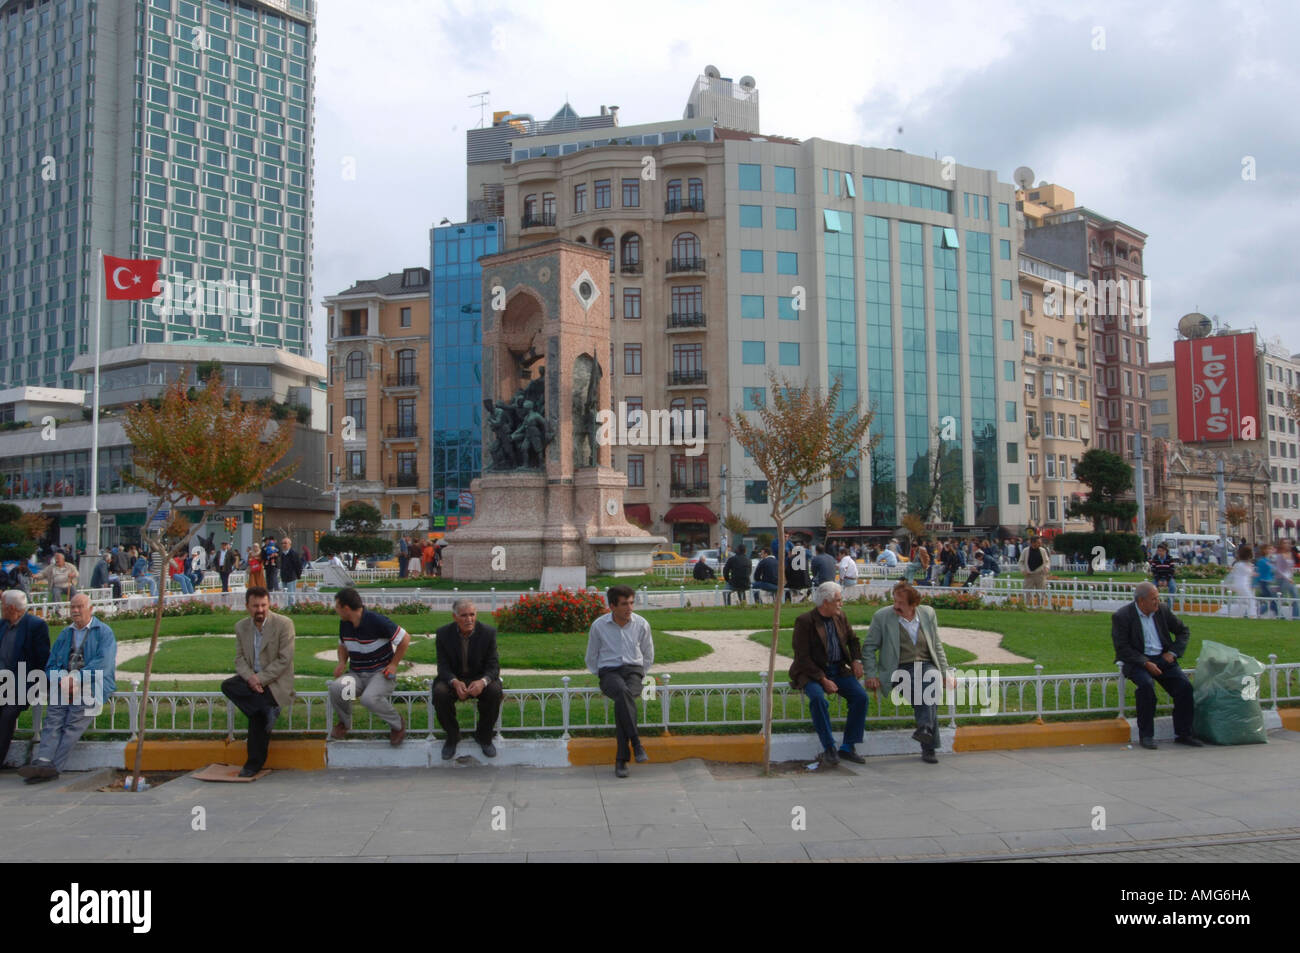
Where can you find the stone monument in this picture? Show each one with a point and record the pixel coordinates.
(548, 495)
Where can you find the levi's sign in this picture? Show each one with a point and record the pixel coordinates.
(1217, 387)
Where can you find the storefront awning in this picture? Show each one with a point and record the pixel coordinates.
(1290, 524)
(1277, 522)
(638, 513)
(690, 513)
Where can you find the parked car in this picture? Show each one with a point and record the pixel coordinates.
(710, 557)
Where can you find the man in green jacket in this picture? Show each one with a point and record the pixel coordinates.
(903, 644)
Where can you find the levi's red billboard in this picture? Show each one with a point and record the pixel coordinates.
(1217, 387)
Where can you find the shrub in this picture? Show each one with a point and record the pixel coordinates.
(559, 611)
(171, 609)
(309, 608)
(1121, 547)
(409, 608)
(1202, 572)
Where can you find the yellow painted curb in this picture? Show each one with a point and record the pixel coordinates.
(1008, 737)
(302, 755)
(740, 749)
(1290, 718)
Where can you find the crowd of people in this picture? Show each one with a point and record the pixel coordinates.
(416, 558)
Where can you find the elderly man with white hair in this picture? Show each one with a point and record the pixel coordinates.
(1141, 635)
(61, 576)
(81, 674)
(828, 661)
(24, 648)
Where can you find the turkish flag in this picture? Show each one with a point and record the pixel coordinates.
(130, 279)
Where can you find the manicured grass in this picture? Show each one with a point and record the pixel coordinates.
(203, 654)
(653, 580)
(223, 623)
(785, 646)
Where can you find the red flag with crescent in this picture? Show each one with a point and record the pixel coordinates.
(130, 279)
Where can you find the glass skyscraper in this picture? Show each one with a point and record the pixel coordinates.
(456, 391)
(172, 129)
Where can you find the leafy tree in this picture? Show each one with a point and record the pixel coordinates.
(1107, 477)
(201, 445)
(360, 519)
(799, 441)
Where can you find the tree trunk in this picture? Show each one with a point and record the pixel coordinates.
(148, 674)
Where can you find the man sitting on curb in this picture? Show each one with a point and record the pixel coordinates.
(765, 575)
(263, 679)
(371, 646)
(81, 670)
(1140, 633)
(828, 661)
(468, 670)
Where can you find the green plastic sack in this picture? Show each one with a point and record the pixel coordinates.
(1226, 697)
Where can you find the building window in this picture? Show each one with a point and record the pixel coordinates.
(631, 253)
(787, 263)
(1013, 452)
(602, 193)
(406, 317)
(686, 251)
(356, 366)
(688, 359)
(1026, 302)
(632, 303)
(755, 491)
(356, 409)
(580, 199)
(751, 216)
(636, 469)
(753, 352)
(751, 306)
(695, 193)
(1013, 493)
(356, 464)
(632, 359)
(751, 177)
(787, 219)
(1029, 343)
(755, 398)
(1033, 464)
(783, 179)
(631, 193)
(687, 306)
(751, 261)
(1010, 411)
(548, 208)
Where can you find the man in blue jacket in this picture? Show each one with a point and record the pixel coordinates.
(24, 649)
(81, 674)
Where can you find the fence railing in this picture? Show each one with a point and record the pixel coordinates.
(564, 708)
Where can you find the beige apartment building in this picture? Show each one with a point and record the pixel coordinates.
(378, 413)
(1058, 426)
(657, 207)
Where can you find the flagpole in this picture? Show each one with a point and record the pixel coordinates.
(92, 517)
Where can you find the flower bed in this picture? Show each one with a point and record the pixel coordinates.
(559, 611)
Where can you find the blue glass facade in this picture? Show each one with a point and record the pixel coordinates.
(983, 373)
(842, 343)
(456, 393)
(880, 370)
(947, 364)
(916, 410)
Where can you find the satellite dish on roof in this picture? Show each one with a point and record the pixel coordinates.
(1024, 177)
(1194, 325)
(712, 72)
(747, 82)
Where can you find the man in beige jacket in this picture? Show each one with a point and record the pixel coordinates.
(263, 680)
(62, 577)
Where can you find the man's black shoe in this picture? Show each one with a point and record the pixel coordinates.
(639, 753)
(929, 757)
(1148, 743)
(246, 772)
(41, 770)
(849, 754)
(489, 750)
(923, 735)
(831, 757)
(448, 750)
(1189, 741)
(620, 769)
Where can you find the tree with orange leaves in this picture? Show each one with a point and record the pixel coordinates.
(201, 445)
(800, 441)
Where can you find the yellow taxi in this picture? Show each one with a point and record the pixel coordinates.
(666, 557)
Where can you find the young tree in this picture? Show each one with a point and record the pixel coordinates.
(1107, 476)
(198, 444)
(1158, 516)
(800, 441)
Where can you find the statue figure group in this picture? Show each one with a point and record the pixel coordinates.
(521, 433)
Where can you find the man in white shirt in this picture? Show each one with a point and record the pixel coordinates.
(848, 570)
(620, 651)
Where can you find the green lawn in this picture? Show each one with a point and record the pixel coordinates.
(653, 580)
(223, 623)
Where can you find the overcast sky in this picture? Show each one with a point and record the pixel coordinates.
(1179, 119)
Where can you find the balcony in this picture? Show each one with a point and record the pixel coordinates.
(395, 381)
(698, 489)
(630, 268)
(401, 432)
(404, 480)
(688, 208)
(685, 266)
(698, 378)
(537, 221)
(687, 321)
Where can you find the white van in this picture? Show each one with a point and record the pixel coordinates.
(1176, 540)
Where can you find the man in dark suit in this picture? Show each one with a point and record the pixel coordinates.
(1141, 634)
(468, 670)
(24, 641)
(825, 665)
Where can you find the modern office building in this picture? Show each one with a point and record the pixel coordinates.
(1058, 416)
(171, 129)
(741, 253)
(1108, 254)
(53, 476)
(454, 453)
(378, 444)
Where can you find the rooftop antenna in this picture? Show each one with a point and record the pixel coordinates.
(481, 104)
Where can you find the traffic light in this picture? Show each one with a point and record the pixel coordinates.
(319, 534)
(257, 517)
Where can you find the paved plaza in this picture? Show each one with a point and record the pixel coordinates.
(1041, 804)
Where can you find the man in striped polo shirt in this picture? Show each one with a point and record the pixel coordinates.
(370, 648)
